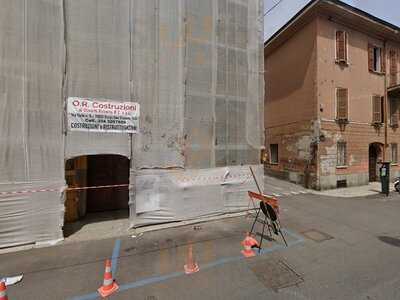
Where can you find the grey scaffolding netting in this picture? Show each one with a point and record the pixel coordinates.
(31, 140)
(195, 67)
(207, 117)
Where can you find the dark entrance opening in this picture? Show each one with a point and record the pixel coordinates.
(375, 152)
(101, 201)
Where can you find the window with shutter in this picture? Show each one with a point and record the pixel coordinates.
(394, 112)
(341, 46)
(393, 67)
(394, 151)
(376, 59)
(377, 112)
(341, 154)
(382, 60)
(342, 104)
(371, 57)
(274, 153)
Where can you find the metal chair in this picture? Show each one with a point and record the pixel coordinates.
(270, 220)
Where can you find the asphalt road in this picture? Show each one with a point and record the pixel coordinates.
(339, 248)
(280, 188)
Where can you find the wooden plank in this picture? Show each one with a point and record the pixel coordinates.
(269, 200)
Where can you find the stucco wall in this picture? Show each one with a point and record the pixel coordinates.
(362, 85)
(296, 152)
(291, 105)
(290, 79)
(300, 107)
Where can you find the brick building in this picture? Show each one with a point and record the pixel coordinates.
(332, 95)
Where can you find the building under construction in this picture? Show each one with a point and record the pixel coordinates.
(194, 66)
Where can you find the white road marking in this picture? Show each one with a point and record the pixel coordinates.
(277, 195)
(295, 193)
(278, 188)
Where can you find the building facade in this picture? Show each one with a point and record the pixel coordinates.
(332, 96)
(194, 67)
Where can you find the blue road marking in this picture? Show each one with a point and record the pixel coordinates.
(114, 257)
(149, 280)
(114, 265)
(156, 279)
(298, 237)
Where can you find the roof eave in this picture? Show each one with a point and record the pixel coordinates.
(312, 8)
(293, 20)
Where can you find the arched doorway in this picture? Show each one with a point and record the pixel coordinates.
(375, 156)
(96, 204)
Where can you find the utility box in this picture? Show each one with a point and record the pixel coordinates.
(384, 173)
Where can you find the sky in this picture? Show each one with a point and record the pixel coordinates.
(277, 16)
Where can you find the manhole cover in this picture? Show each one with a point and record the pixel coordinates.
(317, 236)
(275, 274)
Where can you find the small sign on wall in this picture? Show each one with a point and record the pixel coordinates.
(92, 115)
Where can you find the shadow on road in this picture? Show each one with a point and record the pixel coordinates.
(91, 218)
(390, 240)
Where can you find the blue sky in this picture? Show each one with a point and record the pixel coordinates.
(388, 10)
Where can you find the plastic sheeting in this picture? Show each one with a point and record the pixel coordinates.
(208, 115)
(97, 42)
(29, 218)
(171, 196)
(195, 67)
(158, 77)
(224, 84)
(31, 109)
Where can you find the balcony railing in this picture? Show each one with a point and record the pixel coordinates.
(393, 79)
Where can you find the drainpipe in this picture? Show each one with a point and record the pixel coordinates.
(385, 103)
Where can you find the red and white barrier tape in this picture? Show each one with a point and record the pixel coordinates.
(97, 187)
(32, 191)
(29, 192)
(183, 178)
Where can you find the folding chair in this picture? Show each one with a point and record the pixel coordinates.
(270, 208)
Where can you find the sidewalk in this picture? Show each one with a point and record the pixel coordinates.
(339, 248)
(374, 188)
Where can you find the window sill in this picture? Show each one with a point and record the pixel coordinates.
(343, 63)
(394, 164)
(377, 125)
(377, 72)
(341, 167)
(342, 121)
(273, 164)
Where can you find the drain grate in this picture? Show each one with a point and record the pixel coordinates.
(317, 236)
(275, 274)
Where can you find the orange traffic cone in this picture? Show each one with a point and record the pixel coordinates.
(191, 266)
(248, 243)
(3, 290)
(109, 285)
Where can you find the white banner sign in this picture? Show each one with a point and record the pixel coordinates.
(102, 115)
